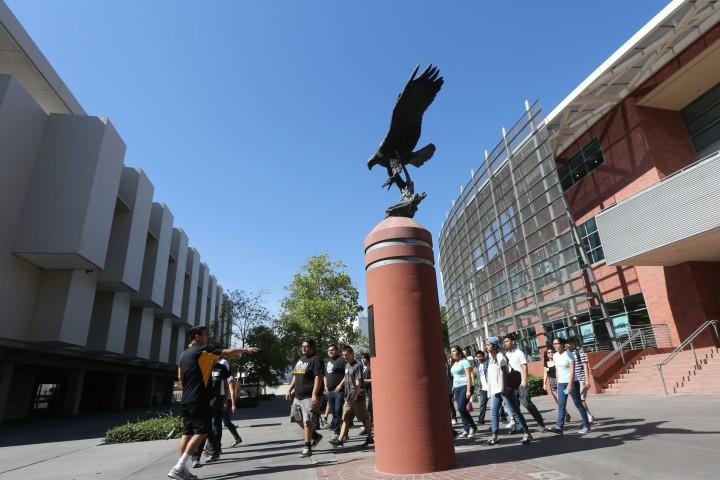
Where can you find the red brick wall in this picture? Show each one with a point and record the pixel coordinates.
(641, 145)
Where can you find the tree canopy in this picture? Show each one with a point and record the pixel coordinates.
(321, 303)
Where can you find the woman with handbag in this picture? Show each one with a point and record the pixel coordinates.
(462, 376)
(499, 391)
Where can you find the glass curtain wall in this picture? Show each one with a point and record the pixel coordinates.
(508, 255)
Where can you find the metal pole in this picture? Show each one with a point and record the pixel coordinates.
(623, 357)
(692, 346)
(662, 377)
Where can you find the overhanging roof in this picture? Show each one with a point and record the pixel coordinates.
(672, 30)
(19, 56)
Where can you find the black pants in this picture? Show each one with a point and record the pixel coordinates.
(215, 435)
(482, 408)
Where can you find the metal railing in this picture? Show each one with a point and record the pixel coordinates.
(653, 336)
(688, 341)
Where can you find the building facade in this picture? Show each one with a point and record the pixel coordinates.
(602, 217)
(97, 284)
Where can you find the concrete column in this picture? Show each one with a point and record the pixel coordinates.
(201, 303)
(212, 300)
(6, 374)
(65, 311)
(402, 291)
(162, 331)
(138, 341)
(172, 306)
(73, 392)
(118, 394)
(109, 322)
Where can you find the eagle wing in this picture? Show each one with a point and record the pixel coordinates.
(406, 122)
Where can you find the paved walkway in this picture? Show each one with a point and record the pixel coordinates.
(635, 437)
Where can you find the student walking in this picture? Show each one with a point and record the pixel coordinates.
(582, 373)
(354, 405)
(219, 375)
(461, 371)
(334, 378)
(453, 412)
(482, 385)
(567, 385)
(498, 391)
(518, 363)
(230, 406)
(306, 384)
(550, 377)
(367, 385)
(194, 369)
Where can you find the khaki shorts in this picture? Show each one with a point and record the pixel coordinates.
(583, 392)
(303, 412)
(356, 408)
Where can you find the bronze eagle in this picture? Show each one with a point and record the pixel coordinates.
(397, 149)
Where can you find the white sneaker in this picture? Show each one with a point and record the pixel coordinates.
(454, 421)
(176, 474)
(306, 452)
(471, 433)
(463, 435)
(583, 431)
(510, 425)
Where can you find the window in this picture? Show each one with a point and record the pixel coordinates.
(702, 119)
(590, 240)
(583, 162)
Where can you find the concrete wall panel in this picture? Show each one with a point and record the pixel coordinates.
(155, 262)
(201, 303)
(126, 251)
(175, 275)
(109, 322)
(69, 209)
(22, 123)
(192, 271)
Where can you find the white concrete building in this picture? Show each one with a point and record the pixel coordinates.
(97, 285)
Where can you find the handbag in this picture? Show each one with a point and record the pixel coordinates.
(514, 379)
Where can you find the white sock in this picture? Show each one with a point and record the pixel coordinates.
(181, 464)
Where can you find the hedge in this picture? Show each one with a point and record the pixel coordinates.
(160, 428)
(535, 386)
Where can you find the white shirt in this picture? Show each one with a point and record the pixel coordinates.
(516, 359)
(562, 366)
(482, 375)
(495, 379)
(227, 365)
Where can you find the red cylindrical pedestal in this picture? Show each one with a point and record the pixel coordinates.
(410, 391)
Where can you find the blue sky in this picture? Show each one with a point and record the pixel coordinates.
(254, 120)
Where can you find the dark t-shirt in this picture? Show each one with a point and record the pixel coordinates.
(218, 375)
(334, 371)
(194, 368)
(353, 372)
(305, 371)
(367, 375)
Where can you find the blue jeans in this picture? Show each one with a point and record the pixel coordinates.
(496, 402)
(562, 403)
(336, 400)
(462, 401)
(227, 421)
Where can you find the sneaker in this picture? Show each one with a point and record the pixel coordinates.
(556, 430)
(454, 421)
(178, 474)
(316, 438)
(368, 441)
(526, 438)
(334, 438)
(335, 442)
(510, 425)
(584, 430)
(463, 435)
(212, 458)
(306, 452)
(471, 433)
(491, 443)
(591, 419)
(236, 443)
(191, 476)
(196, 463)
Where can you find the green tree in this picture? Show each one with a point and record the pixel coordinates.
(321, 303)
(270, 362)
(246, 312)
(444, 320)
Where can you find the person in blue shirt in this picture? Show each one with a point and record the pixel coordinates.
(462, 376)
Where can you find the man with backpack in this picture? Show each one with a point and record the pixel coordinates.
(518, 380)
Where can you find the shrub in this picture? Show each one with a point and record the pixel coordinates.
(535, 386)
(160, 428)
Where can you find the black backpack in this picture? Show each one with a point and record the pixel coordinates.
(218, 375)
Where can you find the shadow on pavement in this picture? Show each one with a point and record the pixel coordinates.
(510, 450)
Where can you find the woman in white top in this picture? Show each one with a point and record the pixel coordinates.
(497, 371)
(567, 385)
(462, 375)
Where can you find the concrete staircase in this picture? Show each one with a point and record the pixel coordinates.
(681, 374)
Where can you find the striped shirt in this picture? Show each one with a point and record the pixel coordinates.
(579, 358)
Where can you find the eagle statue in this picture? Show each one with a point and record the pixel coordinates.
(397, 150)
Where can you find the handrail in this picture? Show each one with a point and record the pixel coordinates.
(659, 334)
(688, 341)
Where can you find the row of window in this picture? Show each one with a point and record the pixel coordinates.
(583, 162)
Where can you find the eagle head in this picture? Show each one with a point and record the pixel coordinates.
(375, 160)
